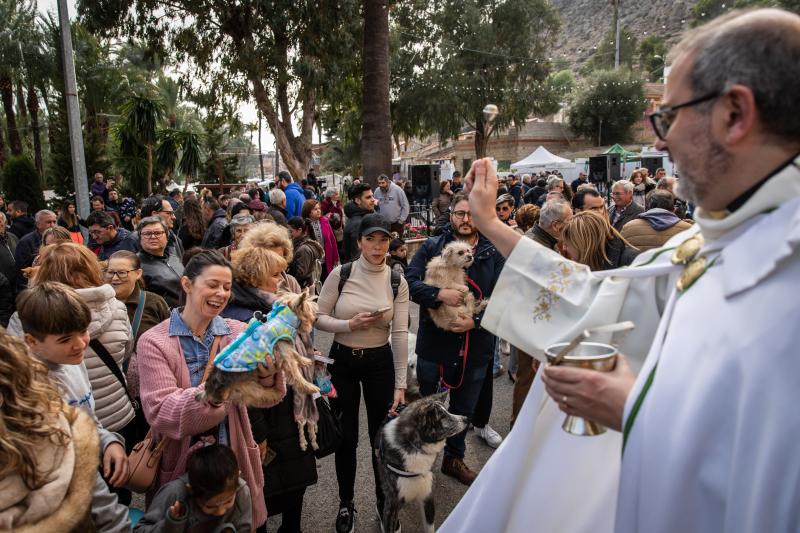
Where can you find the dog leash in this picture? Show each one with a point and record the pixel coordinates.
(463, 353)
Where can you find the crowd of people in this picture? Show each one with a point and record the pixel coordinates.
(152, 292)
(113, 323)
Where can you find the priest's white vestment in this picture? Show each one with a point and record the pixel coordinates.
(714, 444)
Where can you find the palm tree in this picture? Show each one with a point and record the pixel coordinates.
(141, 115)
(190, 163)
(16, 19)
(376, 141)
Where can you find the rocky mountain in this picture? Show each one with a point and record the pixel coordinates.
(584, 23)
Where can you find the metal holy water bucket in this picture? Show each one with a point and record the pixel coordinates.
(592, 356)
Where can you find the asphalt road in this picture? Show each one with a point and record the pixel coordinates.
(321, 501)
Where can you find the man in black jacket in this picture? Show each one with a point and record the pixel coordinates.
(362, 202)
(625, 209)
(105, 232)
(439, 352)
(216, 219)
(21, 222)
(28, 246)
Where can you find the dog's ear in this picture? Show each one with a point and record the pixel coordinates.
(440, 397)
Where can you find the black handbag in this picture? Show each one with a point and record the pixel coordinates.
(329, 429)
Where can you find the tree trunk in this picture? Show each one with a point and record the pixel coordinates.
(7, 93)
(23, 110)
(2, 149)
(376, 137)
(149, 149)
(295, 150)
(33, 107)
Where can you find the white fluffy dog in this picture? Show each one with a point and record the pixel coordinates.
(448, 271)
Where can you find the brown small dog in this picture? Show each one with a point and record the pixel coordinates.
(244, 387)
(448, 271)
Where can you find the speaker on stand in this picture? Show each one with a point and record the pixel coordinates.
(425, 187)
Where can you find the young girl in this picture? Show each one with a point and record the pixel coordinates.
(210, 496)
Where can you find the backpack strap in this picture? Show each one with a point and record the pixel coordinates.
(347, 268)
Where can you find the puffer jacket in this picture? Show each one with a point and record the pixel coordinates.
(111, 327)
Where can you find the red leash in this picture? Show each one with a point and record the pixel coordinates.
(464, 349)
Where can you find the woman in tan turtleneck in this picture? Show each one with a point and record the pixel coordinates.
(361, 351)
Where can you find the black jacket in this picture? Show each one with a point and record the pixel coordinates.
(120, 242)
(533, 194)
(516, 192)
(354, 214)
(629, 213)
(6, 300)
(23, 225)
(214, 234)
(292, 467)
(434, 344)
(27, 250)
(619, 254)
(8, 267)
(162, 276)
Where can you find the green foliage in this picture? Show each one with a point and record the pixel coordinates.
(603, 57)
(450, 59)
(609, 105)
(706, 10)
(652, 53)
(21, 182)
(562, 83)
(287, 55)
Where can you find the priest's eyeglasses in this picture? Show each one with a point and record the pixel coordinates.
(662, 119)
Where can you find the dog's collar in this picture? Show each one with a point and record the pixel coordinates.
(401, 473)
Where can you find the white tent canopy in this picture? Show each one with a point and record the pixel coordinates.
(541, 159)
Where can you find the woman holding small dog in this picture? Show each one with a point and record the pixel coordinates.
(364, 313)
(173, 357)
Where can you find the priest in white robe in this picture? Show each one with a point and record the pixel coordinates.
(710, 434)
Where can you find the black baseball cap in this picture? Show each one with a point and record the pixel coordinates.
(372, 223)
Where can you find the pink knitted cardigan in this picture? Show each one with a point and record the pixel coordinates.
(173, 413)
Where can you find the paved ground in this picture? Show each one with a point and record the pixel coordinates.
(321, 500)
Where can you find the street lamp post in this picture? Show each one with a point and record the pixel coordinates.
(73, 115)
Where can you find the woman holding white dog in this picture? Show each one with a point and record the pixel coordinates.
(364, 311)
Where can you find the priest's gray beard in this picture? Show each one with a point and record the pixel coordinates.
(704, 166)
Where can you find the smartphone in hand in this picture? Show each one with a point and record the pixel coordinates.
(379, 312)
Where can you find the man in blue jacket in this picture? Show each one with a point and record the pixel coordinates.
(439, 352)
(294, 195)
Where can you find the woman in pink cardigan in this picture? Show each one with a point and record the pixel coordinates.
(172, 360)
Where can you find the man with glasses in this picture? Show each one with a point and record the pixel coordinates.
(107, 235)
(707, 429)
(162, 271)
(160, 207)
(625, 209)
(440, 364)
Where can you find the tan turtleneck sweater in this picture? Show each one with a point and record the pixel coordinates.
(367, 289)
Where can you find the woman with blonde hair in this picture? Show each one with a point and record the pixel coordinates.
(257, 275)
(77, 267)
(589, 238)
(49, 452)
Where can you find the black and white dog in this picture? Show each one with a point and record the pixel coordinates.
(405, 450)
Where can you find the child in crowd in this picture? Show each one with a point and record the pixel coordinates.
(54, 321)
(398, 256)
(210, 496)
